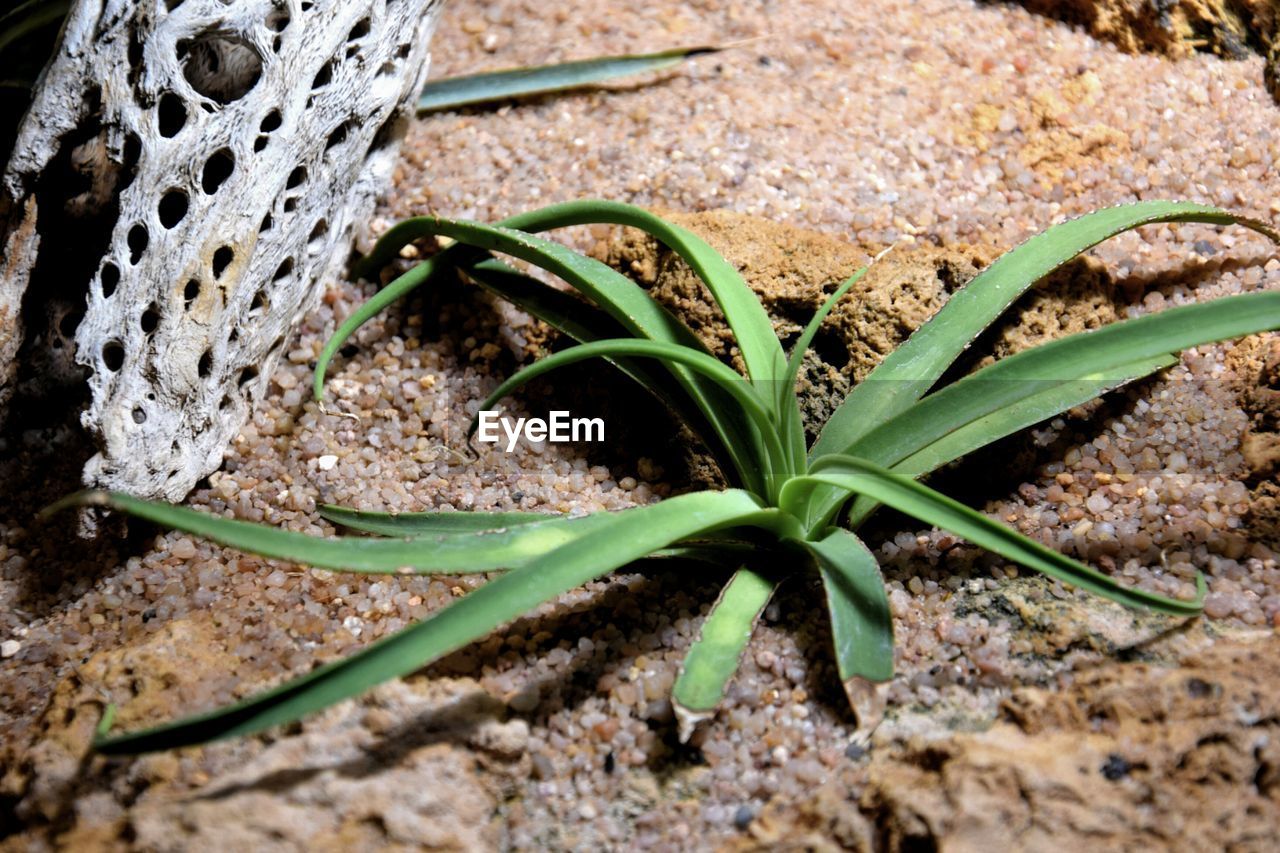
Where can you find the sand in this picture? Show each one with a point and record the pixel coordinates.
(934, 122)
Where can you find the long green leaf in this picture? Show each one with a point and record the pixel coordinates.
(1086, 356)
(761, 352)
(451, 93)
(713, 656)
(622, 539)
(620, 297)
(861, 624)
(585, 323)
(726, 377)
(416, 524)
(444, 553)
(1029, 411)
(766, 443)
(909, 371)
(742, 309)
(787, 388)
(858, 476)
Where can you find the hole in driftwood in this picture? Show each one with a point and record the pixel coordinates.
(110, 277)
(222, 259)
(278, 19)
(149, 319)
(338, 136)
(323, 77)
(217, 169)
(317, 234)
(171, 115)
(190, 293)
(113, 355)
(221, 66)
(359, 31)
(173, 207)
(137, 240)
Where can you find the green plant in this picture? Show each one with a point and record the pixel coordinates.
(785, 499)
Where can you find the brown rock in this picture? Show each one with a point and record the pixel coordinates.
(1256, 361)
(1130, 756)
(793, 270)
(1230, 28)
(415, 764)
(179, 667)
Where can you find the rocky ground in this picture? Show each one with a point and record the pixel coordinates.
(951, 129)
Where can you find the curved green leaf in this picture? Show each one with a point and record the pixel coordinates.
(446, 552)
(861, 624)
(616, 294)
(1014, 417)
(858, 476)
(788, 403)
(416, 524)
(450, 93)
(585, 323)
(1085, 356)
(713, 656)
(910, 370)
(726, 377)
(622, 539)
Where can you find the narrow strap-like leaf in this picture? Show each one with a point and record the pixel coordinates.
(858, 476)
(805, 340)
(415, 524)
(446, 552)
(788, 402)
(766, 443)
(450, 93)
(752, 330)
(613, 292)
(1084, 356)
(741, 308)
(910, 370)
(861, 623)
(1026, 412)
(714, 369)
(622, 539)
(713, 656)
(584, 323)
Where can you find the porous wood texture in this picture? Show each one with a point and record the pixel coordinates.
(188, 176)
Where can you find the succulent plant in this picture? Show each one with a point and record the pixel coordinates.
(789, 509)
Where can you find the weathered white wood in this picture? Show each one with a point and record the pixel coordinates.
(225, 152)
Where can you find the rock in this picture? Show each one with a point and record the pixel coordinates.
(793, 270)
(1176, 28)
(1124, 756)
(1233, 29)
(1256, 361)
(180, 666)
(420, 763)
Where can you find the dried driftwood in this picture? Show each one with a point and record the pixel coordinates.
(188, 176)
